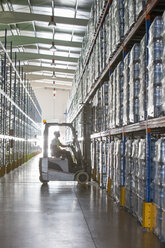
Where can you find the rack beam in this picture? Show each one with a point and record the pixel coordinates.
(151, 123)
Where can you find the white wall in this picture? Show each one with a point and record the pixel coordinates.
(53, 108)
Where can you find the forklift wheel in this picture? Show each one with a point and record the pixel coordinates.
(82, 177)
(43, 181)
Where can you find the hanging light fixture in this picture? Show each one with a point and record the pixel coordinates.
(54, 75)
(53, 62)
(53, 48)
(52, 18)
(54, 92)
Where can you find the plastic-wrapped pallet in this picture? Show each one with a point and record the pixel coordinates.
(135, 181)
(101, 48)
(117, 9)
(110, 32)
(126, 90)
(97, 160)
(105, 89)
(91, 26)
(143, 81)
(158, 186)
(114, 99)
(103, 165)
(104, 46)
(111, 167)
(128, 175)
(111, 89)
(141, 177)
(94, 113)
(107, 42)
(163, 60)
(135, 83)
(99, 111)
(129, 15)
(119, 94)
(139, 6)
(119, 170)
(155, 69)
(90, 73)
(97, 65)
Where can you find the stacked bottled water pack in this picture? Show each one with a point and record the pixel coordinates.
(126, 90)
(129, 175)
(129, 15)
(94, 114)
(115, 170)
(97, 159)
(103, 163)
(143, 81)
(155, 68)
(105, 89)
(111, 167)
(119, 94)
(163, 60)
(117, 23)
(139, 7)
(135, 182)
(99, 111)
(135, 176)
(141, 177)
(102, 48)
(135, 83)
(118, 172)
(158, 187)
(93, 155)
(112, 99)
(111, 90)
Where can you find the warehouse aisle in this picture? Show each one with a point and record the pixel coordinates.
(63, 215)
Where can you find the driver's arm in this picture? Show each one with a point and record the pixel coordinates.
(63, 145)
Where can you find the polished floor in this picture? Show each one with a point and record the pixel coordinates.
(63, 215)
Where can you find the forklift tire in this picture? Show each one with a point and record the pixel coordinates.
(82, 177)
(43, 181)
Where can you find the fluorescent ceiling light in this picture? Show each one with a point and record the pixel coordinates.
(54, 75)
(52, 21)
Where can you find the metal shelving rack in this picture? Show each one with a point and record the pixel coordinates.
(147, 127)
(20, 113)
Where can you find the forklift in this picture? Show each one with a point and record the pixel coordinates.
(57, 168)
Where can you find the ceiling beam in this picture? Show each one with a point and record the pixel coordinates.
(8, 17)
(32, 68)
(26, 40)
(33, 56)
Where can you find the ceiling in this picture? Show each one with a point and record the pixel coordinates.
(28, 29)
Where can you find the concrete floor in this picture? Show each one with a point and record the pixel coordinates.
(63, 215)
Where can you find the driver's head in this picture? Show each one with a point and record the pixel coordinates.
(57, 134)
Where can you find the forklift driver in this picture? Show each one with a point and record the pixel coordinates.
(57, 152)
